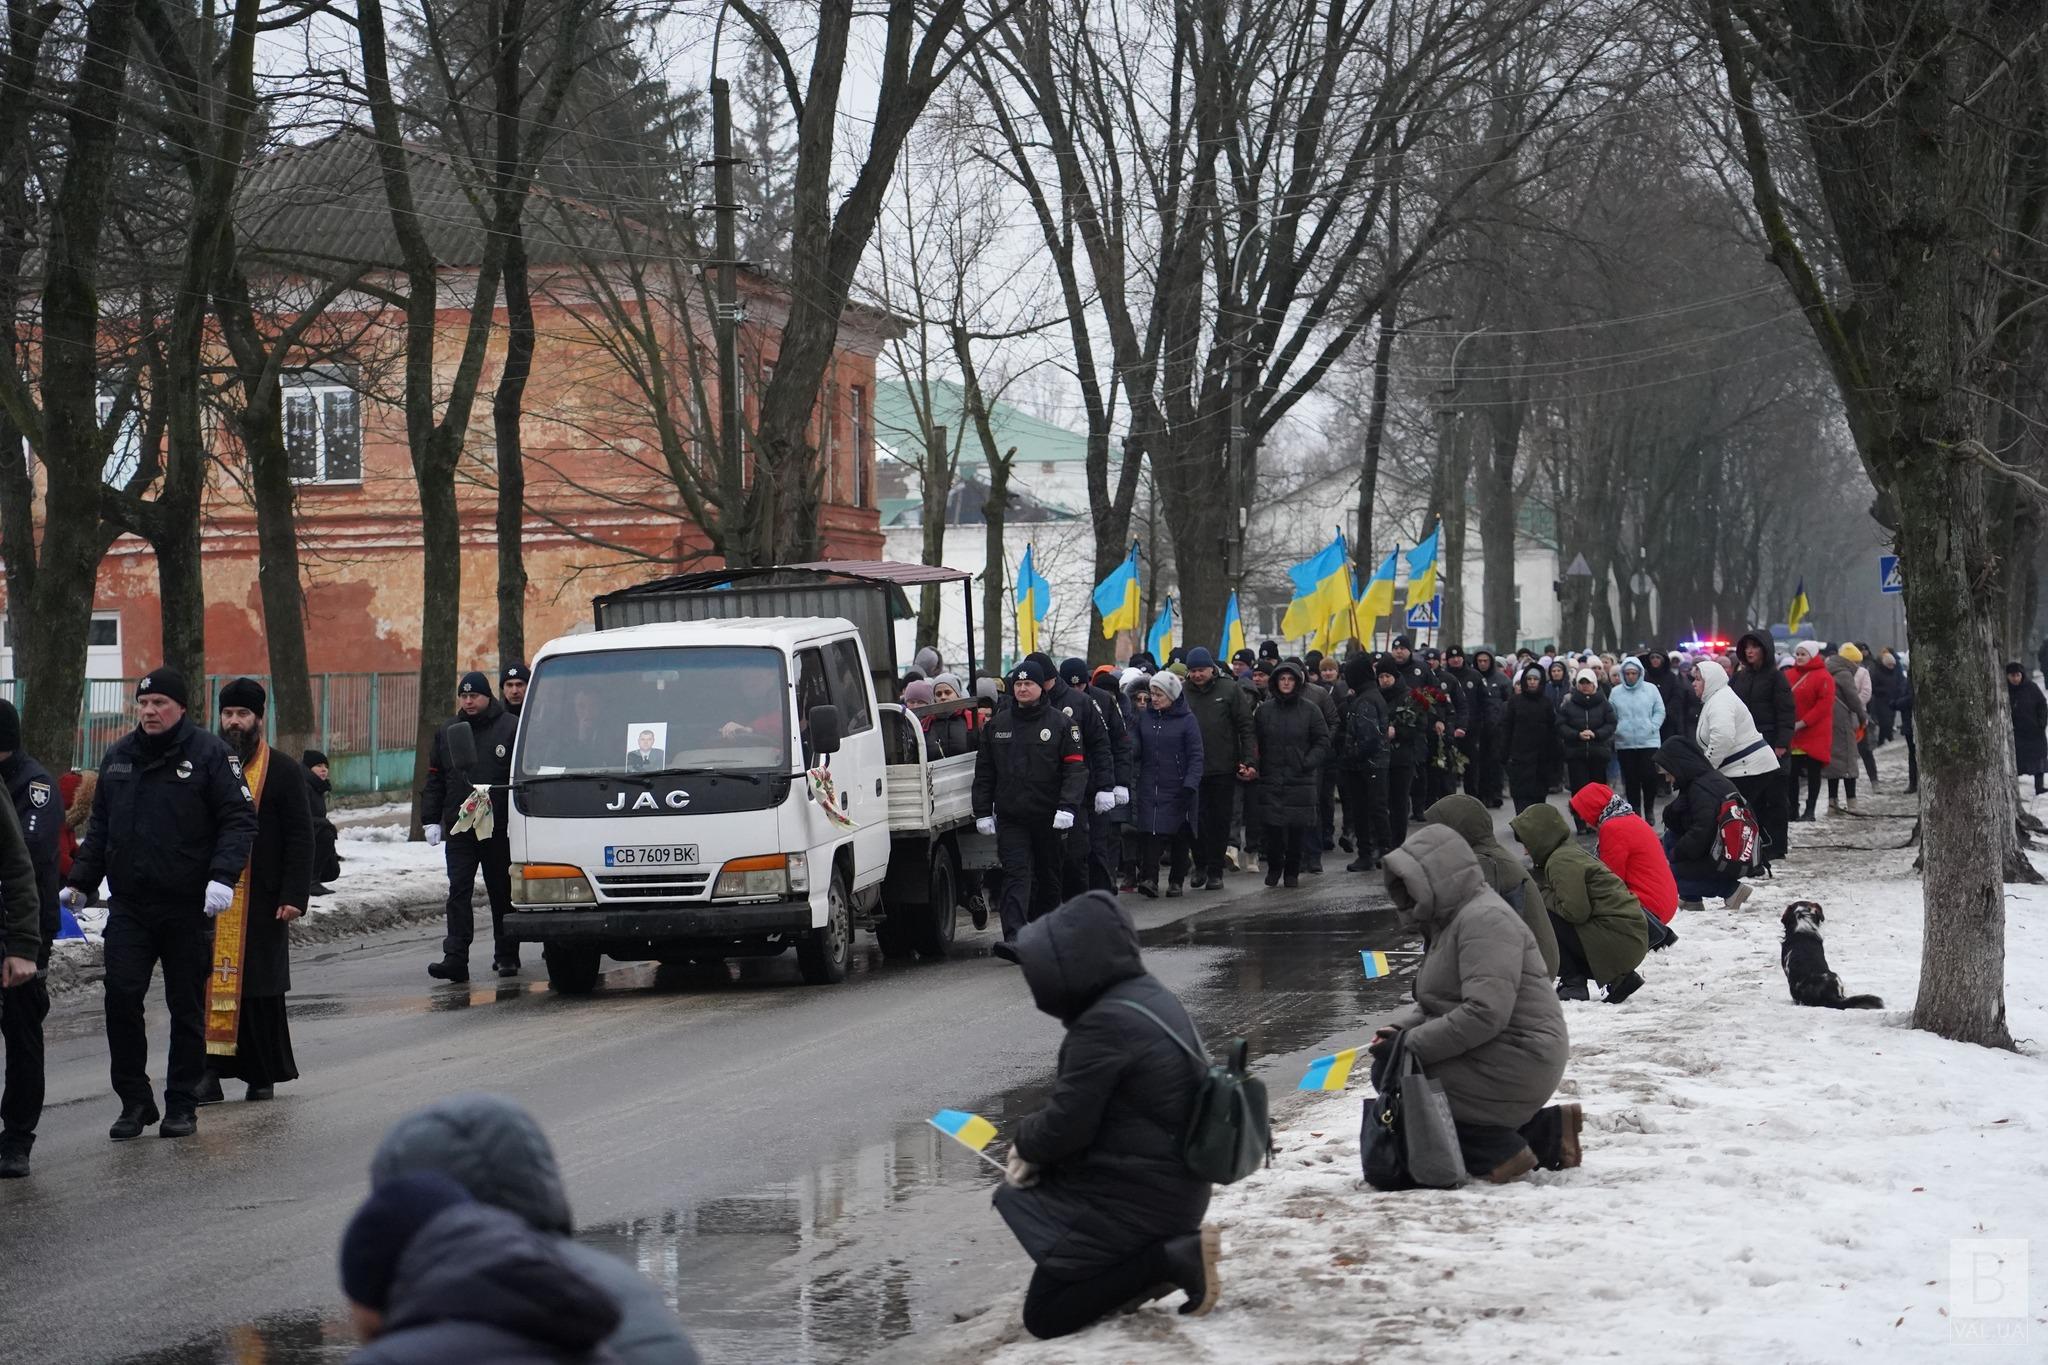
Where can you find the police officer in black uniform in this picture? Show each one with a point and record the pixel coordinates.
(512, 680)
(492, 729)
(1076, 874)
(24, 1000)
(1030, 778)
(172, 824)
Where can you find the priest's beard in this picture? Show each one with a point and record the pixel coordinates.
(244, 743)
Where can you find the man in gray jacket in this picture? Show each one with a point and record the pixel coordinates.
(495, 1150)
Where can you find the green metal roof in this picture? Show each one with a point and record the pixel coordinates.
(1037, 441)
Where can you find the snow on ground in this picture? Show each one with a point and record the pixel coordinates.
(1762, 1182)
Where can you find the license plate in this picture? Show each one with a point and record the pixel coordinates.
(649, 855)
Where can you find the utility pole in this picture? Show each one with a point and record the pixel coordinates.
(729, 315)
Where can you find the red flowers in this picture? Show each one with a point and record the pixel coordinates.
(1429, 696)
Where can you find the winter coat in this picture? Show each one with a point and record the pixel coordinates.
(476, 1284)
(280, 873)
(39, 815)
(492, 731)
(1883, 686)
(1529, 736)
(1681, 707)
(1463, 685)
(1361, 741)
(1168, 745)
(1492, 691)
(1638, 713)
(1294, 741)
(1726, 729)
(1580, 890)
(1327, 704)
(1581, 712)
(170, 815)
(1694, 815)
(1766, 693)
(2029, 727)
(326, 839)
(1082, 712)
(493, 1148)
(1850, 715)
(1123, 758)
(1409, 747)
(1557, 690)
(1224, 711)
(21, 911)
(953, 733)
(1505, 872)
(1630, 849)
(1111, 1180)
(1485, 1021)
(1030, 764)
(1813, 694)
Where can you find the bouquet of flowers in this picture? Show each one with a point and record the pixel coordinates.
(1436, 705)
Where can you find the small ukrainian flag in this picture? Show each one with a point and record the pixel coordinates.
(1375, 965)
(1330, 1073)
(971, 1131)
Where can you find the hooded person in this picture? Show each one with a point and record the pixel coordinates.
(1764, 691)
(1681, 705)
(1484, 1022)
(1884, 678)
(1097, 1192)
(1692, 826)
(1851, 719)
(1361, 762)
(1813, 732)
(1728, 738)
(326, 838)
(1585, 727)
(494, 1149)
(1629, 848)
(927, 662)
(432, 1275)
(1529, 745)
(1602, 933)
(1168, 747)
(2029, 725)
(1505, 872)
(1638, 730)
(1294, 740)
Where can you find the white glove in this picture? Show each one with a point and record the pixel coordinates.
(1020, 1172)
(985, 825)
(71, 898)
(1122, 795)
(1105, 802)
(219, 896)
(1063, 819)
(433, 835)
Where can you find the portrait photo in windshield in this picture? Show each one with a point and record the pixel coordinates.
(649, 711)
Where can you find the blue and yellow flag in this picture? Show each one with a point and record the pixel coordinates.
(1233, 634)
(1330, 1073)
(1378, 598)
(1375, 964)
(1798, 610)
(1422, 567)
(1322, 589)
(1034, 599)
(971, 1131)
(1159, 639)
(1116, 596)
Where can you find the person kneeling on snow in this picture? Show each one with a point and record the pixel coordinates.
(1629, 849)
(1602, 934)
(1097, 1192)
(1692, 825)
(1485, 1022)
(1506, 874)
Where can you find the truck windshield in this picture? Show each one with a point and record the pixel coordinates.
(654, 710)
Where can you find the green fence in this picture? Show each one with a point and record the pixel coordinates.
(366, 723)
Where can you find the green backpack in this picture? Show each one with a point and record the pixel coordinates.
(1229, 1135)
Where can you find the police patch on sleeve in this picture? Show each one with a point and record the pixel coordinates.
(1075, 731)
(1045, 734)
(39, 794)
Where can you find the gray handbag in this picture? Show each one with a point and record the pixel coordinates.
(1410, 1139)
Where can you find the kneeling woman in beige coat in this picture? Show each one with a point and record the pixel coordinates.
(1485, 1021)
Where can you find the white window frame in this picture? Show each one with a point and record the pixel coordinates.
(315, 387)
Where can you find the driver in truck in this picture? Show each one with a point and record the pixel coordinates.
(1030, 779)
(762, 698)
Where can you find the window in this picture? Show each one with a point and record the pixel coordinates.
(323, 428)
(124, 455)
(648, 710)
(834, 485)
(849, 686)
(104, 632)
(810, 691)
(857, 415)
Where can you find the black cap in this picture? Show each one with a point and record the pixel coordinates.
(1244, 656)
(384, 1227)
(244, 692)
(162, 682)
(513, 672)
(10, 728)
(312, 758)
(1403, 642)
(474, 684)
(1031, 668)
(1074, 672)
(1269, 649)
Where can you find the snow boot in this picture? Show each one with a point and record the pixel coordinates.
(134, 1118)
(1192, 1260)
(178, 1123)
(1173, 890)
(1573, 989)
(1623, 987)
(1362, 863)
(450, 968)
(1737, 896)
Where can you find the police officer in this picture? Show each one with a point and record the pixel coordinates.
(1105, 825)
(172, 824)
(24, 1000)
(1076, 875)
(1030, 778)
(512, 680)
(492, 729)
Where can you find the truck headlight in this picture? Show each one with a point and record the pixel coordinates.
(752, 878)
(551, 884)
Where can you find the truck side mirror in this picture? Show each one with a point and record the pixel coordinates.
(462, 746)
(826, 729)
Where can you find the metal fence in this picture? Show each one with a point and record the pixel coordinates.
(366, 723)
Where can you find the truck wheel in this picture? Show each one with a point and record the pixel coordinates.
(895, 934)
(822, 953)
(572, 971)
(934, 928)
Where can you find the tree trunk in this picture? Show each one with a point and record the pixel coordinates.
(937, 493)
(181, 583)
(277, 553)
(1366, 552)
(1496, 490)
(507, 406)
(440, 609)
(992, 574)
(1451, 548)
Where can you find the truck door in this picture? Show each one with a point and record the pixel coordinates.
(858, 766)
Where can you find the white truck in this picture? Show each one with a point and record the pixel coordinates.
(694, 790)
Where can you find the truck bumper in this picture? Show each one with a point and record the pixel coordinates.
(652, 925)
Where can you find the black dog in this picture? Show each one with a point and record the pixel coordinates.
(1805, 961)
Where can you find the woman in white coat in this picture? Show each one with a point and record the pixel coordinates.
(1728, 736)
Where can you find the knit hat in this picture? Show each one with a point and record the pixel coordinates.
(917, 693)
(1387, 666)
(927, 661)
(1358, 672)
(1074, 672)
(1851, 653)
(246, 693)
(1032, 669)
(1244, 656)
(1199, 657)
(1805, 649)
(1586, 675)
(384, 1227)
(514, 672)
(1269, 649)
(474, 684)
(313, 758)
(1167, 683)
(162, 682)
(1403, 642)
(951, 680)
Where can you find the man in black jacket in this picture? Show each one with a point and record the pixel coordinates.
(1692, 825)
(1489, 701)
(28, 884)
(492, 729)
(1030, 780)
(1222, 707)
(172, 824)
(1768, 695)
(1105, 821)
(1077, 870)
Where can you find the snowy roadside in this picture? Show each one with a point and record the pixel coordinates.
(1762, 1182)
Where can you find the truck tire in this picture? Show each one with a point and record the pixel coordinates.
(823, 953)
(933, 928)
(572, 971)
(896, 933)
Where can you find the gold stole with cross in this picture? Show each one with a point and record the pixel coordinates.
(231, 936)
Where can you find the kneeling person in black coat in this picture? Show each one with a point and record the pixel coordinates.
(1098, 1194)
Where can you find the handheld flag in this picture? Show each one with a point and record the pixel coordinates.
(1233, 633)
(1159, 639)
(1378, 598)
(971, 1131)
(1322, 589)
(1375, 965)
(1798, 610)
(1116, 596)
(1034, 599)
(1422, 567)
(1330, 1073)
(67, 924)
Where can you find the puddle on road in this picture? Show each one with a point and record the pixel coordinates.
(896, 1236)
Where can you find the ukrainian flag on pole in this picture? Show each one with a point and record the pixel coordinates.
(1322, 588)
(1034, 599)
(1422, 568)
(1798, 610)
(1378, 598)
(1233, 633)
(1116, 597)
(1159, 639)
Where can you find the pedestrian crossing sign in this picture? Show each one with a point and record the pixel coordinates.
(1889, 579)
(1423, 615)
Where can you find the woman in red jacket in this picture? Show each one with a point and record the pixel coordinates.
(1813, 730)
(1631, 850)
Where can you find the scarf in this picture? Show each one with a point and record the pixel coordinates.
(231, 937)
(1616, 805)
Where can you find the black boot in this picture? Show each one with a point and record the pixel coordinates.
(14, 1149)
(1272, 873)
(178, 1123)
(259, 1093)
(1573, 988)
(209, 1089)
(1192, 1261)
(1623, 987)
(1173, 889)
(1291, 880)
(450, 968)
(505, 966)
(134, 1118)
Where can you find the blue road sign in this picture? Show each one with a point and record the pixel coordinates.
(1889, 579)
(1423, 615)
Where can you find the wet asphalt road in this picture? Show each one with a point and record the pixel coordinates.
(757, 1147)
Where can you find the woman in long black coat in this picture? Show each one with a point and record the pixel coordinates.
(2029, 726)
(1166, 742)
(280, 875)
(1529, 741)
(1294, 741)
